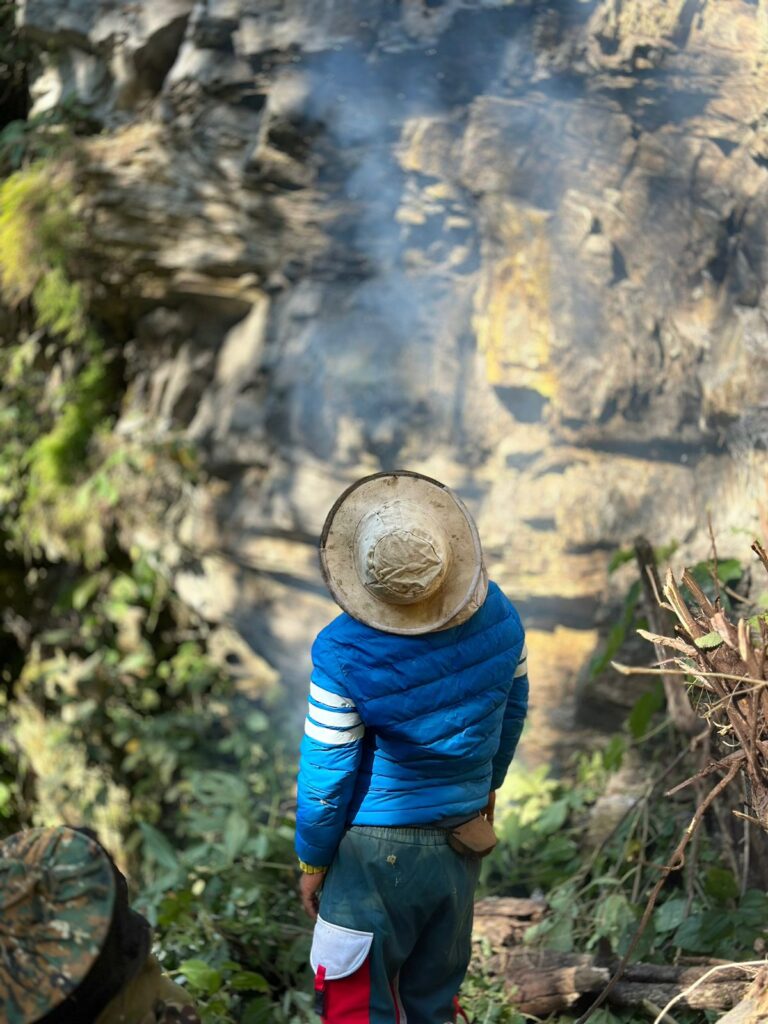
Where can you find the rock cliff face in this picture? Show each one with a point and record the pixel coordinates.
(518, 246)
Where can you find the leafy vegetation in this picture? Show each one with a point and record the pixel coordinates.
(119, 717)
(596, 883)
(113, 710)
(592, 842)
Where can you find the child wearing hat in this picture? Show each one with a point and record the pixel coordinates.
(417, 699)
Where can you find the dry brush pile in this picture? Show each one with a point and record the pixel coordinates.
(724, 658)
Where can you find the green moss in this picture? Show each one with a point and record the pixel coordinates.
(38, 235)
(56, 457)
(60, 307)
(56, 413)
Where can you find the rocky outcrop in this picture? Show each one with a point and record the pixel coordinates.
(519, 246)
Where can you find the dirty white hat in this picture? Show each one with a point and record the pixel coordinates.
(400, 552)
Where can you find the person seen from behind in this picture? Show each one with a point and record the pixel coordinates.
(417, 699)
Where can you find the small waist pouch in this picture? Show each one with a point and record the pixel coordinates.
(475, 838)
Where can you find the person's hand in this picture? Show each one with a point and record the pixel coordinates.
(309, 890)
(490, 808)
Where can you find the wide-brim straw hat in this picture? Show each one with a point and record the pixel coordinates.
(400, 552)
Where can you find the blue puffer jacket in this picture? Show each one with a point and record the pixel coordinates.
(408, 730)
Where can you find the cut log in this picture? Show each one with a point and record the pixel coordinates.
(544, 981)
(502, 921)
(753, 1008)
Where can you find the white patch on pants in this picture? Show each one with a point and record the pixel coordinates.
(340, 950)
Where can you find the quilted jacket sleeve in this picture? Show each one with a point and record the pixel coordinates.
(330, 756)
(514, 718)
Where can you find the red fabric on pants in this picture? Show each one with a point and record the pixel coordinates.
(348, 1000)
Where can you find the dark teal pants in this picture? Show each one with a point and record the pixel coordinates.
(415, 895)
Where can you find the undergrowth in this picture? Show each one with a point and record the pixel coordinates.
(591, 841)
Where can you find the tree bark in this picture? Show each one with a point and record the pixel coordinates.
(753, 1008)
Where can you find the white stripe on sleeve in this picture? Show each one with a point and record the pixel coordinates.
(522, 665)
(335, 737)
(333, 700)
(341, 719)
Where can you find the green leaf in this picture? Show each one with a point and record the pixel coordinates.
(235, 834)
(560, 938)
(670, 915)
(613, 916)
(249, 981)
(136, 662)
(644, 710)
(604, 1016)
(201, 976)
(553, 817)
(613, 754)
(729, 570)
(720, 884)
(701, 933)
(84, 591)
(259, 1011)
(665, 552)
(709, 640)
(256, 721)
(217, 787)
(158, 847)
(124, 589)
(6, 795)
(753, 908)
(619, 558)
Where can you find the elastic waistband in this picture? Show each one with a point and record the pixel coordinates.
(406, 834)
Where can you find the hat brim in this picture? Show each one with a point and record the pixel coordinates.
(337, 553)
(60, 923)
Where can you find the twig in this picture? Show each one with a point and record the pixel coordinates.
(692, 860)
(747, 840)
(735, 595)
(655, 584)
(724, 823)
(715, 576)
(676, 861)
(698, 594)
(673, 642)
(707, 770)
(641, 854)
(681, 609)
(761, 553)
(635, 670)
(747, 817)
(748, 964)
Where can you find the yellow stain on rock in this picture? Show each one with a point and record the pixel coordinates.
(512, 318)
(555, 660)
